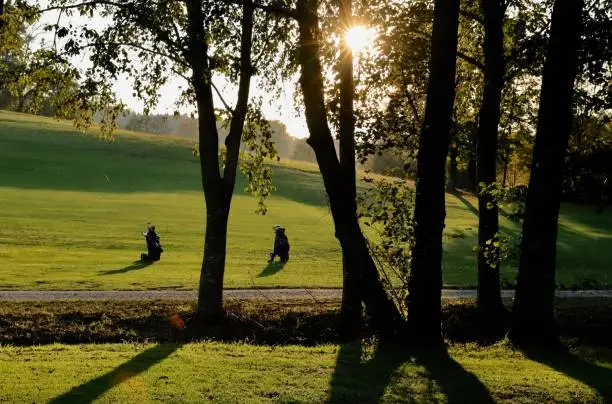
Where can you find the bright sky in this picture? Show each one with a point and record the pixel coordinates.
(281, 109)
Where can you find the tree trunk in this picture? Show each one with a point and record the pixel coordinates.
(489, 290)
(218, 190)
(505, 177)
(472, 175)
(385, 315)
(425, 285)
(533, 320)
(351, 296)
(453, 173)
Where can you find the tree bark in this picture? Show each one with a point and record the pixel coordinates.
(384, 313)
(489, 290)
(533, 321)
(425, 284)
(351, 296)
(218, 190)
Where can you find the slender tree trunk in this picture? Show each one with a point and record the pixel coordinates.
(505, 177)
(533, 320)
(218, 190)
(489, 290)
(472, 175)
(385, 315)
(453, 173)
(425, 285)
(351, 296)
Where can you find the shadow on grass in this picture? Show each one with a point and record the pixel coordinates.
(271, 269)
(455, 383)
(466, 202)
(358, 379)
(364, 382)
(132, 267)
(562, 360)
(93, 389)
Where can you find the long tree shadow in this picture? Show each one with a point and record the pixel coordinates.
(562, 360)
(351, 374)
(456, 383)
(132, 267)
(371, 381)
(271, 268)
(93, 389)
(466, 202)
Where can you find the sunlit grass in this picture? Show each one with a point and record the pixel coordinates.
(248, 374)
(74, 207)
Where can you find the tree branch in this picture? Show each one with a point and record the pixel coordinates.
(284, 11)
(472, 16)
(225, 104)
(473, 61)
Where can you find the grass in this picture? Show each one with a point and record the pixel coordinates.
(219, 372)
(73, 208)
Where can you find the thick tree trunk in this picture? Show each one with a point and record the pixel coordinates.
(218, 190)
(489, 290)
(351, 296)
(533, 320)
(425, 285)
(385, 315)
(210, 294)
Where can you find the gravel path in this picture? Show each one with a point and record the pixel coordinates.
(318, 294)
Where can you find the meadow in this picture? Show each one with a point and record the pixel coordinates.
(73, 208)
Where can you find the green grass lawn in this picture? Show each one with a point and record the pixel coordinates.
(200, 372)
(73, 208)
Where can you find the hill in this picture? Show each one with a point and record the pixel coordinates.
(74, 207)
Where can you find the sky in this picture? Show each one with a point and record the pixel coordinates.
(281, 109)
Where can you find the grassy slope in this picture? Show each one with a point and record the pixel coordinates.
(245, 373)
(73, 208)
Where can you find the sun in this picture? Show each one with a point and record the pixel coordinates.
(360, 39)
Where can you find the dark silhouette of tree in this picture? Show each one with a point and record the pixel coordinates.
(489, 293)
(533, 320)
(351, 296)
(424, 299)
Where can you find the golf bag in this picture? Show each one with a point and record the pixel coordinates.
(154, 248)
(281, 244)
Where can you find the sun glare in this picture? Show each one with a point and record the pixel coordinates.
(360, 39)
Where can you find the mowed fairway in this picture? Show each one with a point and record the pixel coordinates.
(73, 208)
(229, 373)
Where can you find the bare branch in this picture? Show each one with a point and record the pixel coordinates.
(225, 104)
(471, 60)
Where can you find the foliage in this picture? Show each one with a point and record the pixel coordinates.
(257, 136)
(387, 209)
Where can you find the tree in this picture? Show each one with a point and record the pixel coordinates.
(385, 315)
(424, 304)
(195, 40)
(351, 295)
(533, 304)
(489, 293)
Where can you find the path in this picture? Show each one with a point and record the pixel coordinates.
(319, 294)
